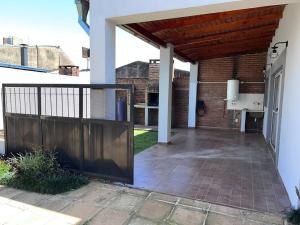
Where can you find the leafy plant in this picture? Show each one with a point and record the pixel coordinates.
(293, 215)
(39, 171)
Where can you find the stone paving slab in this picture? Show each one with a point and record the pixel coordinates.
(99, 203)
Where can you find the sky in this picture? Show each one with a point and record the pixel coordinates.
(54, 22)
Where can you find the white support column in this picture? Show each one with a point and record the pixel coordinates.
(146, 116)
(193, 94)
(243, 120)
(102, 44)
(166, 71)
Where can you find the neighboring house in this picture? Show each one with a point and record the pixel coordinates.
(46, 57)
(145, 77)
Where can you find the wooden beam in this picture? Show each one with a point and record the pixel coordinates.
(235, 35)
(183, 57)
(232, 44)
(135, 28)
(161, 25)
(140, 31)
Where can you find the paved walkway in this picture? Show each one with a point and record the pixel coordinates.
(106, 204)
(223, 167)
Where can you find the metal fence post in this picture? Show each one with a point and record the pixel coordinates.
(4, 118)
(81, 128)
(131, 133)
(39, 104)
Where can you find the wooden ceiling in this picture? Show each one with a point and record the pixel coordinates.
(214, 35)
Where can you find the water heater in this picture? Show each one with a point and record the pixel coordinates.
(233, 90)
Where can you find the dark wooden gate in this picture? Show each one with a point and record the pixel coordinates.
(61, 117)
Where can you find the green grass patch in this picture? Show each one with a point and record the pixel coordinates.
(144, 139)
(40, 172)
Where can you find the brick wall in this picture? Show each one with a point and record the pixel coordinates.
(180, 101)
(154, 70)
(215, 70)
(249, 69)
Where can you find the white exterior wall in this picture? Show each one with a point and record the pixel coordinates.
(193, 95)
(132, 11)
(103, 51)
(166, 71)
(289, 147)
(23, 77)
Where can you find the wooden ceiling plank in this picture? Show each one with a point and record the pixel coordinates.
(192, 20)
(222, 24)
(225, 48)
(217, 28)
(229, 54)
(246, 41)
(221, 50)
(213, 35)
(254, 32)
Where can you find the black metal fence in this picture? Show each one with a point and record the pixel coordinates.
(62, 117)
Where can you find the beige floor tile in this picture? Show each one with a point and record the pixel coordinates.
(56, 203)
(218, 219)
(127, 202)
(110, 216)
(141, 221)
(82, 210)
(10, 192)
(184, 216)
(30, 198)
(155, 210)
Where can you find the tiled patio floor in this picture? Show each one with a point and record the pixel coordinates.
(104, 204)
(224, 167)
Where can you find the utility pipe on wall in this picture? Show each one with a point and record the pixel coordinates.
(83, 7)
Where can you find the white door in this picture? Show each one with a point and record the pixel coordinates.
(275, 110)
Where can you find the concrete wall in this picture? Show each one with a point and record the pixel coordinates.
(20, 76)
(38, 56)
(289, 148)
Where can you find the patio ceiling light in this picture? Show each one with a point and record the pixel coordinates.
(274, 53)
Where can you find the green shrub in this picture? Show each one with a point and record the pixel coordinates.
(4, 168)
(39, 171)
(6, 172)
(293, 215)
(36, 164)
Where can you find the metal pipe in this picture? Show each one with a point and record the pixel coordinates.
(84, 25)
(223, 82)
(83, 9)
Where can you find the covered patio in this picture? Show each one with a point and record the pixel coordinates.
(220, 165)
(224, 167)
(199, 38)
